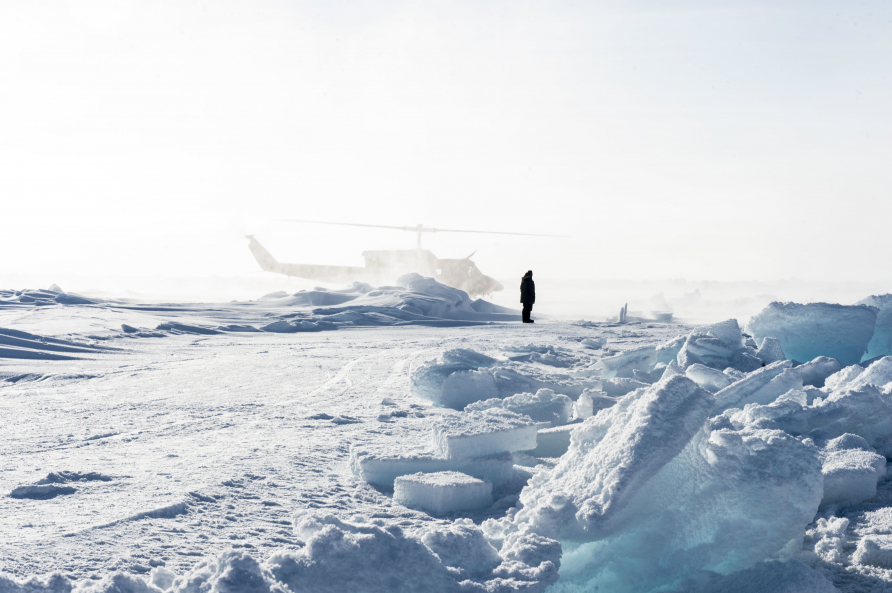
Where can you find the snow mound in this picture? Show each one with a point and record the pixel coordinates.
(808, 331)
(454, 379)
(484, 432)
(874, 550)
(339, 556)
(442, 492)
(460, 377)
(544, 406)
(461, 545)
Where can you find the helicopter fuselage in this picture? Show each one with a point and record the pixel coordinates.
(387, 265)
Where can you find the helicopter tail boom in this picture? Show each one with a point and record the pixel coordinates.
(311, 272)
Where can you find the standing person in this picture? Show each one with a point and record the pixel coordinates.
(527, 295)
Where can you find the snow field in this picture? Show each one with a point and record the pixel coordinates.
(700, 471)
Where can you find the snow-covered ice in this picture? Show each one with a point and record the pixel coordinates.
(442, 492)
(543, 406)
(184, 447)
(483, 432)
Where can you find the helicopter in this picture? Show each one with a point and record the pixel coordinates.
(387, 264)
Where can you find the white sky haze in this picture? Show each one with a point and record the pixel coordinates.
(706, 140)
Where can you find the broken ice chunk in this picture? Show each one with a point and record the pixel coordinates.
(591, 402)
(841, 379)
(668, 351)
(611, 456)
(553, 442)
(739, 393)
(622, 364)
(593, 343)
(770, 351)
(484, 432)
(544, 406)
(706, 350)
(816, 372)
(382, 465)
(817, 329)
(709, 379)
(442, 492)
(879, 373)
(621, 386)
(881, 342)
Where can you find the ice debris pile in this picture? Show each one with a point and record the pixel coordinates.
(460, 377)
(697, 459)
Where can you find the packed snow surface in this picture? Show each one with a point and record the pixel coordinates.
(407, 438)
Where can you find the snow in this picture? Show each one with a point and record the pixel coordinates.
(816, 329)
(874, 550)
(442, 492)
(483, 432)
(207, 455)
(544, 406)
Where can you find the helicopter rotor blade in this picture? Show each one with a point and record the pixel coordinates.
(419, 228)
(496, 233)
(377, 226)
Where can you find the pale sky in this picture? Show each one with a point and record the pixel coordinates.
(720, 140)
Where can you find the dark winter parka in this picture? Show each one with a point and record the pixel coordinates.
(528, 289)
